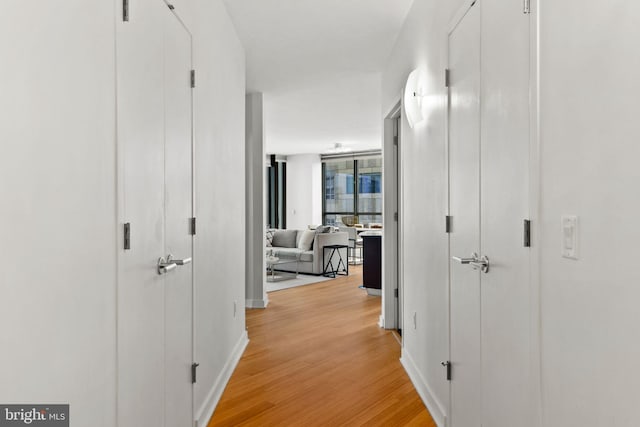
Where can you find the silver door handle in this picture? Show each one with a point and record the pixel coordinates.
(179, 261)
(164, 266)
(482, 264)
(474, 257)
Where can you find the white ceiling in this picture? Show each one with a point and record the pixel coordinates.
(318, 64)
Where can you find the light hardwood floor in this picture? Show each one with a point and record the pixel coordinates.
(317, 357)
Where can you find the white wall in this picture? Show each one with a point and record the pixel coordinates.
(422, 44)
(58, 207)
(589, 152)
(256, 295)
(304, 191)
(220, 205)
(588, 149)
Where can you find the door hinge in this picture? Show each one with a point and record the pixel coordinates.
(193, 226)
(447, 365)
(127, 236)
(395, 216)
(395, 140)
(193, 78)
(125, 10)
(447, 75)
(527, 233)
(447, 223)
(395, 292)
(526, 7)
(194, 368)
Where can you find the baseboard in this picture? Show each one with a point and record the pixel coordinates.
(257, 303)
(432, 403)
(213, 397)
(381, 321)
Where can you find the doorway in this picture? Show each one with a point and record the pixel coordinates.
(488, 155)
(392, 305)
(155, 279)
(397, 159)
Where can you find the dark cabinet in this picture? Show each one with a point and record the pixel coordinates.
(372, 266)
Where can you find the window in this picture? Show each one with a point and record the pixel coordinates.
(342, 197)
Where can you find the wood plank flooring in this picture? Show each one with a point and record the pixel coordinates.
(317, 357)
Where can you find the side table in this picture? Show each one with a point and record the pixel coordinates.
(328, 269)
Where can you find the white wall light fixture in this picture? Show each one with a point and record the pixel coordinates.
(413, 94)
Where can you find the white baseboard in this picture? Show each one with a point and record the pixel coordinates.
(213, 397)
(257, 303)
(432, 403)
(381, 321)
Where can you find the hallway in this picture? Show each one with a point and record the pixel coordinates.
(317, 357)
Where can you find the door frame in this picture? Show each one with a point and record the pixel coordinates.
(175, 13)
(392, 240)
(534, 213)
(451, 27)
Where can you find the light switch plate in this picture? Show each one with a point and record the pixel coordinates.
(570, 236)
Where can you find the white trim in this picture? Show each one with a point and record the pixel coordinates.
(390, 240)
(426, 394)
(257, 303)
(213, 397)
(535, 331)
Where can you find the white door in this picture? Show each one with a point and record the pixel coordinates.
(178, 212)
(464, 208)
(506, 337)
(155, 199)
(489, 181)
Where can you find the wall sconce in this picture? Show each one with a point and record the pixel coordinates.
(413, 94)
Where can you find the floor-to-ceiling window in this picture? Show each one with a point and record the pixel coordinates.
(277, 193)
(352, 190)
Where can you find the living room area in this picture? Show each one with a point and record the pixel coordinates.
(320, 210)
(315, 196)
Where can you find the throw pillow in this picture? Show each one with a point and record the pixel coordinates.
(269, 236)
(284, 239)
(319, 230)
(306, 239)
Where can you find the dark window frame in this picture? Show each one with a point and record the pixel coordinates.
(356, 193)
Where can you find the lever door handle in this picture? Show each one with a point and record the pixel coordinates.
(474, 257)
(164, 266)
(179, 261)
(482, 264)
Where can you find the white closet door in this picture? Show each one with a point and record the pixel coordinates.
(491, 312)
(155, 170)
(140, 133)
(464, 207)
(506, 344)
(178, 211)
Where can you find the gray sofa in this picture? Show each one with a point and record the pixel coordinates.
(287, 243)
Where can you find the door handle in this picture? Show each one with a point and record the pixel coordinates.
(482, 264)
(164, 266)
(474, 257)
(178, 261)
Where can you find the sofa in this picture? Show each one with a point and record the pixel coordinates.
(307, 245)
